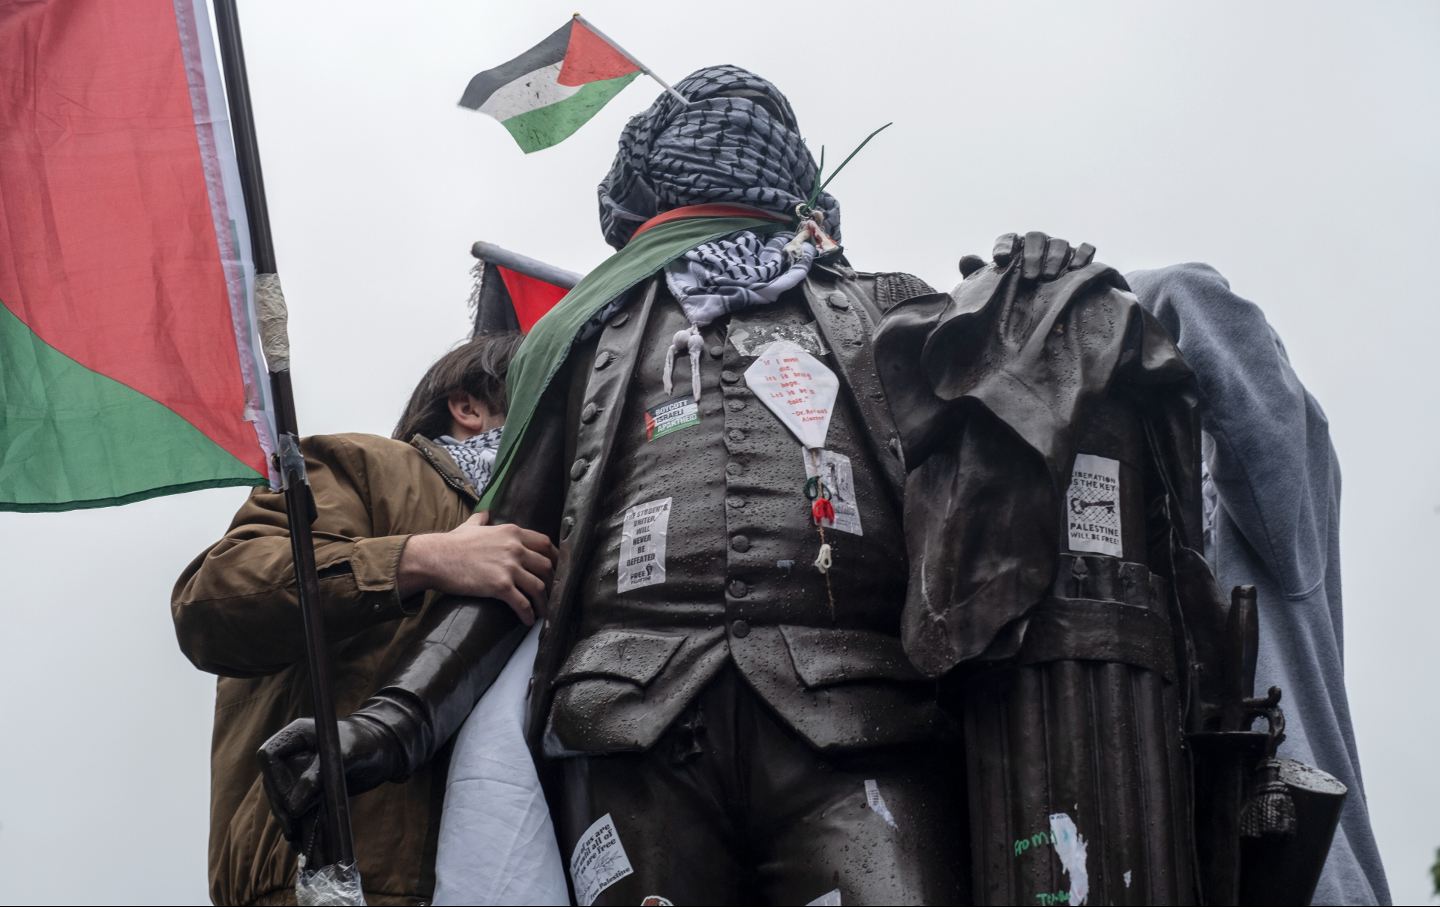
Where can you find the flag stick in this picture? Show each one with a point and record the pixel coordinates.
(338, 845)
(530, 267)
(631, 57)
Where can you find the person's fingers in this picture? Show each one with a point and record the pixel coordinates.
(969, 264)
(1083, 253)
(532, 586)
(518, 603)
(537, 541)
(539, 565)
(1032, 258)
(1057, 252)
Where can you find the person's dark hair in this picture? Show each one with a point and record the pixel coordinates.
(476, 367)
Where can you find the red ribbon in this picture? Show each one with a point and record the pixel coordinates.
(823, 511)
(714, 209)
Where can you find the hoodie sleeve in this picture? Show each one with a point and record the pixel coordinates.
(1273, 462)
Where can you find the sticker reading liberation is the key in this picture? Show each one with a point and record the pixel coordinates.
(671, 416)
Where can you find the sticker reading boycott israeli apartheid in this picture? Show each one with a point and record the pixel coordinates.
(839, 479)
(642, 545)
(598, 860)
(1092, 505)
(671, 416)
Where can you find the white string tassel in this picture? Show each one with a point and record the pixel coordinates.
(670, 366)
(822, 560)
(697, 345)
(690, 342)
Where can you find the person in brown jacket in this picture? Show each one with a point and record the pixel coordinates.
(394, 527)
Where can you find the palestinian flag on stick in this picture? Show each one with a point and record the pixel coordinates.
(513, 291)
(129, 365)
(555, 87)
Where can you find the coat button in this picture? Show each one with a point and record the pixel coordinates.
(734, 502)
(588, 414)
(740, 629)
(739, 543)
(735, 405)
(733, 469)
(735, 434)
(577, 469)
(567, 526)
(738, 589)
(837, 301)
(729, 376)
(619, 319)
(604, 358)
(716, 351)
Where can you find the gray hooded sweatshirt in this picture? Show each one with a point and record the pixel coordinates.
(1275, 487)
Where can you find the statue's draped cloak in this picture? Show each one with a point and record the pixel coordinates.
(991, 387)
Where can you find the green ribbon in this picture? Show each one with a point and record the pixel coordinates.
(550, 341)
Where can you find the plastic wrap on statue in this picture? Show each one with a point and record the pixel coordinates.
(1052, 519)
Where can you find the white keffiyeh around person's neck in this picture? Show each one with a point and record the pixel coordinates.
(475, 455)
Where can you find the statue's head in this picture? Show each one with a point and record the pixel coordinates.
(736, 141)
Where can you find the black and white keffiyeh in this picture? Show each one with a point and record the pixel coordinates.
(475, 455)
(735, 142)
(735, 273)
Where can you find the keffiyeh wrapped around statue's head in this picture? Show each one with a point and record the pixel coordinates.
(736, 142)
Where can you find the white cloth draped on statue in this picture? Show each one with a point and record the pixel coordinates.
(497, 843)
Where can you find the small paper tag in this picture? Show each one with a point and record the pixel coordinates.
(1092, 505)
(877, 802)
(671, 416)
(752, 339)
(839, 480)
(642, 545)
(599, 861)
(798, 388)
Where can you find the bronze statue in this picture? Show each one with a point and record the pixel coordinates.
(776, 668)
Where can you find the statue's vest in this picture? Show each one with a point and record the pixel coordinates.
(701, 545)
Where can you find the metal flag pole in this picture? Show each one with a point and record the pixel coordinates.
(631, 57)
(337, 845)
(530, 267)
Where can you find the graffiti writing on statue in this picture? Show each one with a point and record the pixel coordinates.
(1039, 839)
(1045, 899)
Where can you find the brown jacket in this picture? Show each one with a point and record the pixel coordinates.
(236, 615)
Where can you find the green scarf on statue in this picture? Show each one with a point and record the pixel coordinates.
(550, 341)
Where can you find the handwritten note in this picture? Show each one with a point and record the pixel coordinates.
(798, 388)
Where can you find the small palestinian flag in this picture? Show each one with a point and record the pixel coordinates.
(555, 87)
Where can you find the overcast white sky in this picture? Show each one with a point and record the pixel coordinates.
(1291, 145)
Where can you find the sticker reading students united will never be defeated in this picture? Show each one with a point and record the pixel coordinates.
(642, 545)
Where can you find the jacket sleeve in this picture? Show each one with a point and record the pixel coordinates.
(1272, 447)
(466, 642)
(236, 608)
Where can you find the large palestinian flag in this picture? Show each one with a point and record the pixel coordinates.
(129, 365)
(555, 87)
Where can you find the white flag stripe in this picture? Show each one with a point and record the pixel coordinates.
(531, 91)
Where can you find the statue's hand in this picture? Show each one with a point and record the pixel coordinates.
(1041, 257)
(290, 767)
